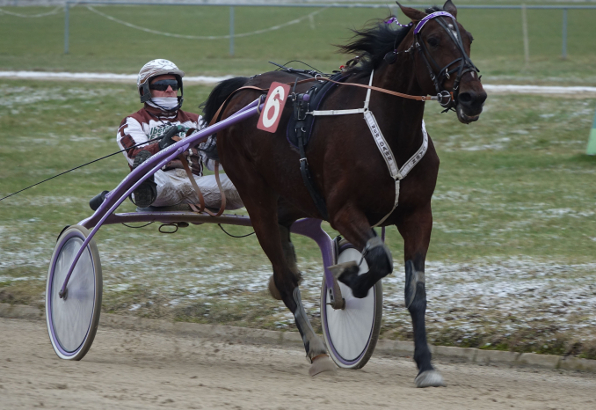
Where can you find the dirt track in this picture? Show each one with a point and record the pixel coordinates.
(145, 370)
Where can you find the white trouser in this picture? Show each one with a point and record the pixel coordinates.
(174, 187)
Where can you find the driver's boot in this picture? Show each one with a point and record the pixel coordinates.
(146, 193)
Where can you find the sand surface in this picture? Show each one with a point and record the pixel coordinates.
(149, 370)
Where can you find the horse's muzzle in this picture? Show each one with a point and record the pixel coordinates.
(469, 105)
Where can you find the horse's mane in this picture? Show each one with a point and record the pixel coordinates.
(373, 42)
(218, 95)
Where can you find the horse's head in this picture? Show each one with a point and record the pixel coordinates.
(442, 59)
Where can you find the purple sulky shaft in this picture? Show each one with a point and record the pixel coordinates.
(153, 164)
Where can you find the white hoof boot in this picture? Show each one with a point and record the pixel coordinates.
(430, 378)
(320, 364)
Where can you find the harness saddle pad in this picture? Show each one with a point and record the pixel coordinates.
(318, 92)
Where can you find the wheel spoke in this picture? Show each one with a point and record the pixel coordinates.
(351, 333)
(72, 321)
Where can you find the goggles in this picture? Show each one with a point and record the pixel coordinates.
(162, 85)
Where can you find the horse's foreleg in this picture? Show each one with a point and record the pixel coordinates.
(416, 229)
(355, 227)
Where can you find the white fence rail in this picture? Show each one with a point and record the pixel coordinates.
(252, 3)
(523, 8)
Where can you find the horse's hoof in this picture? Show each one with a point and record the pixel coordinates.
(347, 273)
(273, 289)
(430, 378)
(274, 292)
(349, 268)
(322, 364)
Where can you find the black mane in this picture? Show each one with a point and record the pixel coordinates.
(218, 95)
(372, 43)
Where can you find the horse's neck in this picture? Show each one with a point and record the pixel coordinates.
(402, 116)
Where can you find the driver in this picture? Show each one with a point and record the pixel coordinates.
(158, 124)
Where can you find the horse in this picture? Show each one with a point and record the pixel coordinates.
(348, 170)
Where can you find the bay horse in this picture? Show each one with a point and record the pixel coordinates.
(428, 56)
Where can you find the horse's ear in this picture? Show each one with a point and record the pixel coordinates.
(413, 14)
(450, 8)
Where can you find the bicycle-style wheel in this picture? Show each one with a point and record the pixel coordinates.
(72, 321)
(351, 333)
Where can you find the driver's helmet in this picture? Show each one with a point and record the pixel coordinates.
(154, 68)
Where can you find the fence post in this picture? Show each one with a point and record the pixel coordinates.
(591, 150)
(525, 34)
(66, 7)
(564, 34)
(231, 30)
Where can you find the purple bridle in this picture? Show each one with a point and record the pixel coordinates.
(429, 17)
(446, 99)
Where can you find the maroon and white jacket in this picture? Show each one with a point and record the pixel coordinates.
(149, 123)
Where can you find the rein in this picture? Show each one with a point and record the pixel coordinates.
(439, 97)
(201, 205)
(381, 90)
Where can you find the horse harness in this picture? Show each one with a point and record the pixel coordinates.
(302, 110)
(300, 127)
(447, 99)
(303, 125)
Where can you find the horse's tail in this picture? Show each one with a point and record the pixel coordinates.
(210, 106)
(218, 95)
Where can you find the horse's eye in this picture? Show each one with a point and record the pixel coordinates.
(433, 41)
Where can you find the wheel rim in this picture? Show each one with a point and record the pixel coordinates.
(71, 319)
(349, 330)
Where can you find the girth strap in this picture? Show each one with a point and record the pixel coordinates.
(301, 108)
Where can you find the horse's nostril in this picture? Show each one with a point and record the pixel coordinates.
(465, 98)
(472, 99)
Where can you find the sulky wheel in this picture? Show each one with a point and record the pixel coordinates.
(72, 321)
(351, 333)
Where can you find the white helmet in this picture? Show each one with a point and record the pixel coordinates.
(154, 68)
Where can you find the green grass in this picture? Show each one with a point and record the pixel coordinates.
(516, 182)
(98, 44)
(514, 185)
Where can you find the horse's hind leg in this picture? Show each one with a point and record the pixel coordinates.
(314, 346)
(261, 205)
(290, 255)
(416, 229)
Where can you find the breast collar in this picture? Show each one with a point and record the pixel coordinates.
(397, 174)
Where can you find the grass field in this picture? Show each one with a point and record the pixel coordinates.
(99, 44)
(511, 263)
(513, 243)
